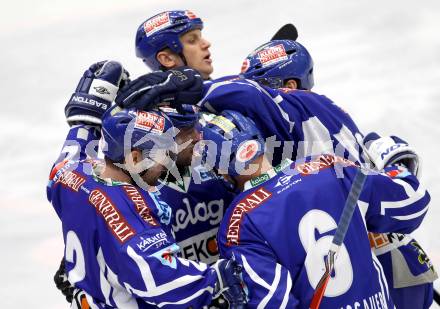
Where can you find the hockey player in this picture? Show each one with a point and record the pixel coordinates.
(119, 249)
(281, 226)
(172, 39)
(408, 269)
(299, 123)
(198, 198)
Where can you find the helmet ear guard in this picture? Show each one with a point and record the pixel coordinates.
(277, 61)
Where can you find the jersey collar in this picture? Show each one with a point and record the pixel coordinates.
(262, 178)
(97, 168)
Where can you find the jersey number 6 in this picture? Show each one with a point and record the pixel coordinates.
(317, 249)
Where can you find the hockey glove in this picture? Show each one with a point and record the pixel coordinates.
(229, 283)
(95, 92)
(173, 87)
(63, 283)
(386, 151)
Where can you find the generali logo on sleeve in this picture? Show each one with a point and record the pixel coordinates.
(157, 23)
(149, 122)
(272, 55)
(113, 218)
(250, 202)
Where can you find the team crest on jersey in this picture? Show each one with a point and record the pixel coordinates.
(149, 122)
(157, 23)
(398, 173)
(272, 55)
(167, 256)
(247, 151)
(246, 205)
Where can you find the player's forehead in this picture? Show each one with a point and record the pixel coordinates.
(193, 34)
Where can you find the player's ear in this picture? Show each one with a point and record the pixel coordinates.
(133, 158)
(168, 59)
(291, 83)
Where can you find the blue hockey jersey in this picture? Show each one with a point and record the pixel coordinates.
(198, 201)
(313, 124)
(118, 243)
(302, 122)
(281, 227)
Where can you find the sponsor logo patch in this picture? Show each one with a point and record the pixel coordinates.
(322, 162)
(155, 241)
(259, 179)
(141, 205)
(157, 23)
(149, 122)
(247, 151)
(272, 55)
(246, 205)
(201, 247)
(113, 218)
(223, 123)
(190, 15)
(71, 180)
(284, 180)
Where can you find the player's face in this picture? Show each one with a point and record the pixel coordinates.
(152, 175)
(186, 139)
(149, 165)
(196, 52)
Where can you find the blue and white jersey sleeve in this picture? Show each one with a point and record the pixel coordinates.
(393, 202)
(268, 284)
(151, 270)
(81, 143)
(252, 100)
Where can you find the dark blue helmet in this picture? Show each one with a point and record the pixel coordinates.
(163, 31)
(127, 129)
(238, 142)
(273, 63)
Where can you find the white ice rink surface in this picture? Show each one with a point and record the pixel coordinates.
(379, 60)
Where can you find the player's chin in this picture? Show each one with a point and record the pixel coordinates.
(153, 174)
(184, 158)
(206, 70)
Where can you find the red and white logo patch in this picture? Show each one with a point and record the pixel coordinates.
(157, 23)
(245, 65)
(247, 151)
(149, 122)
(190, 15)
(272, 55)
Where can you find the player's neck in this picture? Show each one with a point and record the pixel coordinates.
(263, 165)
(115, 173)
